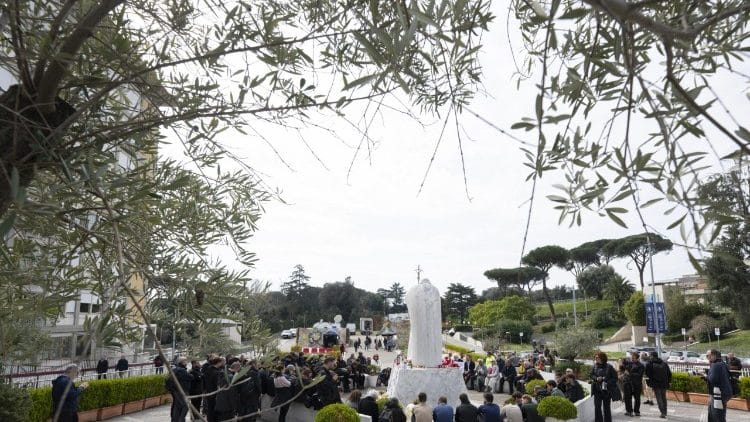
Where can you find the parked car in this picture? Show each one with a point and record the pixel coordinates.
(287, 334)
(293, 332)
(682, 356)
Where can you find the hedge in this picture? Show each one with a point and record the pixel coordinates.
(529, 387)
(581, 370)
(338, 412)
(679, 382)
(14, 404)
(100, 393)
(464, 350)
(745, 387)
(557, 407)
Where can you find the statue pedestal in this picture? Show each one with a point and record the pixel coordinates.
(406, 383)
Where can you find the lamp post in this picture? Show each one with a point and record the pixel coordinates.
(521, 334)
(684, 340)
(575, 314)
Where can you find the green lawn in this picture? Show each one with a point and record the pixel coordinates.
(739, 343)
(566, 306)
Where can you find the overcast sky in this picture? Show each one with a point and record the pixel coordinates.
(376, 228)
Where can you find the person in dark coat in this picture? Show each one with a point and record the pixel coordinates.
(393, 412)
(719, 387)
(65, 395)
(466, 412)
(227, 399)
(573, 389)
(249, 388)
(122, 366)
(196, 387)
(509, 376)
(603, 380)
(489, 411)
(211, 376)
(101, 368)
(179, 407)
(368, 406)
(159, 364)
(633, 389)
(328, 390)
(659, 377)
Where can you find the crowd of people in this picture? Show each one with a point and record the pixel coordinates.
(223, 387)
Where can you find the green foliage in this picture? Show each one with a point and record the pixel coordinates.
(548, 328)
(529, 387)
(521, 278)
(100, 393)
(702, 327)
(15, 404)
(680, 312)
(594, 279)
(745, 387)
(635, 309)
(557, 407)
(563, 323)
(458, 298)
(574, 342)
(601, 319)
(581, 370)
(514, 328)
(679, 382)
(338, 412)
(696, 384)
(511, 307)
(566, 306)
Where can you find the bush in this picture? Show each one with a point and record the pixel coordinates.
(635, 309)
(533, 383)
(100, 393)
(15, 404)
(563, 323)
(575, 342)
(337, 412)
(745, 387)
(296, 348)
(548, 328)
(601, 319)
(580, 370)
(696, 384)
(514, 327)
(557, 407)
(41, 404)
(679, 382)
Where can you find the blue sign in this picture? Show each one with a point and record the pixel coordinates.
(661, 318)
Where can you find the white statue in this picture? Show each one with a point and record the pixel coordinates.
(425, 339)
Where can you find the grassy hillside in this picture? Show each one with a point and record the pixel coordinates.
(738, 343)
(566, 306)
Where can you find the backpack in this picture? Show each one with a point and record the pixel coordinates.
(659, 373)
(386, 416)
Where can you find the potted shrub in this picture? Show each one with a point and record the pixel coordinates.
(697, 389)
(533, 383)
(337, 412)
(678, 387)
(555, 408)
(41, 404)
(741, 402)
(133, 394)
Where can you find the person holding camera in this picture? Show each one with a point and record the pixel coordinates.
(719, 387)
(603, 379)
(65, 395)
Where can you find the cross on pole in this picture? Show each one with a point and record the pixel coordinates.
(419, 273)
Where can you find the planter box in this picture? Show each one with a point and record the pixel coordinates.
(151, 402)
(132, 407)
(166, 398)
(698, 398)
(678, 396)
(88, 415)
(739, 404)
(109, 412)
(371, 381)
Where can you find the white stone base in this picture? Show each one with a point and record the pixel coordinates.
(405, 384)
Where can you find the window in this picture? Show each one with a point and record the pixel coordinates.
(84, 307)
(95, 308)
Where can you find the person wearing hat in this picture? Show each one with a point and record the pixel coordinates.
(180, 407)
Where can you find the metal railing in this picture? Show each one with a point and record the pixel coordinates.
(700, 368)
(45, 378)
